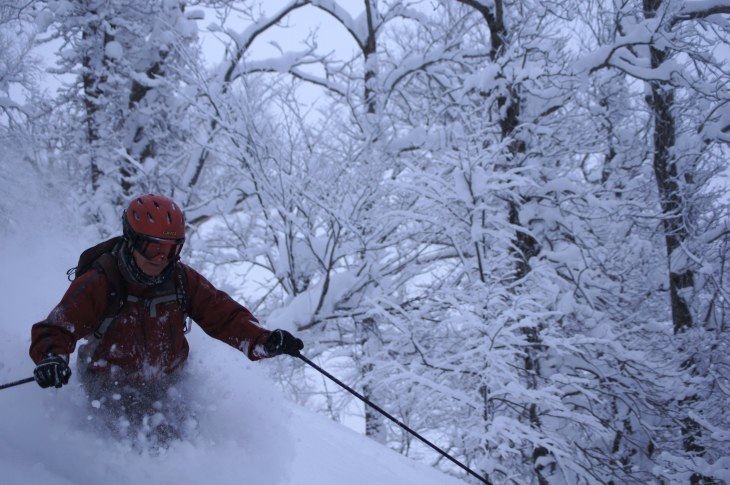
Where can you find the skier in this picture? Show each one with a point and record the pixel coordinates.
(130, 299)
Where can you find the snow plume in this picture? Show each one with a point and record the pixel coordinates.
(247, 430)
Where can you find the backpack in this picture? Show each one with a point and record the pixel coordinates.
(103, 258)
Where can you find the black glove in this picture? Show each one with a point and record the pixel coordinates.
(52, 371)
(282, 342)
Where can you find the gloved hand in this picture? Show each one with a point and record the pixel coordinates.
(52, 371)
(282, 342)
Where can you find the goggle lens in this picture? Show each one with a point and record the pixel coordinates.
(158, 249)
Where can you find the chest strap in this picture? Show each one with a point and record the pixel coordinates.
(151, 303)
(173, 290)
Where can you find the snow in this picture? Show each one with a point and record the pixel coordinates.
(300, 310)
(248, 431)
(6, 102)
(43, 20)
(186, 27)
(415, 137)
(196, 14)
(114, 50)
(483, 79)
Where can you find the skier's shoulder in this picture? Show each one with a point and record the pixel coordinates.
(185, 271)
(100, 256)
(188, 276)
(92, 281)
(97, 270)
(195, 284)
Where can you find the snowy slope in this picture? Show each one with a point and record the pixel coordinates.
(249, 433)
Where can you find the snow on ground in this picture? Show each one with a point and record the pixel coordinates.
(249, 433)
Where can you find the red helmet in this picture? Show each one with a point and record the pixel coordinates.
(154, 224)
(155, 216)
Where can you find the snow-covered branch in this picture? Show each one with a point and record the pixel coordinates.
(700, 9)
(245, 38)
(356, 27)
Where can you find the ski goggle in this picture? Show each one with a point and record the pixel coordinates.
(154, 249)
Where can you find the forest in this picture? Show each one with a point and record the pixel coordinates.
(504, 221)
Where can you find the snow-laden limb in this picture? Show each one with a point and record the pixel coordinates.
(649, 31)
(717, 125)
(7, 103)
(357, 27)
(642, 34)
(699, 9)
(417, 62)
(281, 64)
(316, 304)
(243, 39)
(146, 81)
(402, 10)
(638, 67)
(684, 467)
(414, 139)
(328, 82)
(292, 63)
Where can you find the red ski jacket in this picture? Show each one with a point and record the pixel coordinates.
(146, 338)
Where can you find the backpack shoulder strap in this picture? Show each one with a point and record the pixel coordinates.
(181, 287)
(116, 293)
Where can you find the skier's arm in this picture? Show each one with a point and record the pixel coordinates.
(76, 316)
(223, 318)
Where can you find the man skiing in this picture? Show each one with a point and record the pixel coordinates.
(130, 299)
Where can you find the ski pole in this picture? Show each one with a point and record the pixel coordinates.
(17, 383)
(387, 415)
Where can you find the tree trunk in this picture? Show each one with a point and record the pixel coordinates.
(92, 92)
(660, 101)
(525, 246)
(374, 421)
(368, 51)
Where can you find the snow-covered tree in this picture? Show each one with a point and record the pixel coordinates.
(23, 107)
(324, 193)
(122, 127)
(537, 258)
(671, 48)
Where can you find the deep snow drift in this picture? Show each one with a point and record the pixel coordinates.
(248, 433)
